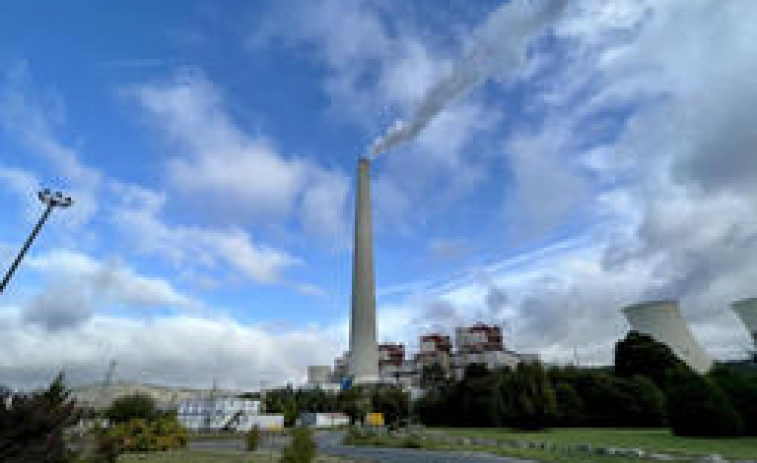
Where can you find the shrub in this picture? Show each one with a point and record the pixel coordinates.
(138, 435)
(301, 449)
(252, 439)
(697, 407)
(134, 406)
(32, 426)
(411, 442)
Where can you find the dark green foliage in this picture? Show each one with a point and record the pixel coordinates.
(640, 354)
(392, 402)
(252, 439)
(741, 388)
(570, 406)
(697, 407)
(644, 403)
(32, 426)
(134, 406)
(433, 376)
(355, 402)
(432, 408)
(528, 398)
(301, 449)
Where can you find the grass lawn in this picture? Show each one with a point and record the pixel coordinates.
(197, 456)
(213, 456)
(656, 440)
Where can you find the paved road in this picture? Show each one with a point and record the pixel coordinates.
(331, 444)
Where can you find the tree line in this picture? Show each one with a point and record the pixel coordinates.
(647, 387)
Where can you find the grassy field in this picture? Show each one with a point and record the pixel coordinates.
(197, 456)
(656, 440)
(212, 456)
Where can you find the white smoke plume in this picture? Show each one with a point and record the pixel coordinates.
(496, 48)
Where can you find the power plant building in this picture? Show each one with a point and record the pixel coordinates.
(663, 321)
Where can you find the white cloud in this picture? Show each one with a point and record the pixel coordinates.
(181, 350)
(233, 175)
(674, 185)
(193, 246)
(32, 118)
(377, 70)
(76, 286)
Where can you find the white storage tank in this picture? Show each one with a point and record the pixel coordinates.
(663, 321)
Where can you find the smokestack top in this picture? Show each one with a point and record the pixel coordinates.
(364, 162)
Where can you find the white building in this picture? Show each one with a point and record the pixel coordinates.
(225, 414)
(324, 420)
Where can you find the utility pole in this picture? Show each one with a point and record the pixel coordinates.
(51, 201)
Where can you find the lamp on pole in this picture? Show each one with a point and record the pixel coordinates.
(50, 200)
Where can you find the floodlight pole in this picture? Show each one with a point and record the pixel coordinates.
(51, 200)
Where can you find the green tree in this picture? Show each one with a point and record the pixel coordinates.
(133, 406)
(32, 426)
(570, 406)
(641, 404)
(528, 397)
(433, 376)
(640, 354)
(697, 407)
(741, 388)
(392, 402)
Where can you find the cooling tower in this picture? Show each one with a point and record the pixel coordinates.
(363, 347)
(747, 311)
(663, 321)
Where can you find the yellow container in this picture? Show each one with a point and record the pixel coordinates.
(374, 419)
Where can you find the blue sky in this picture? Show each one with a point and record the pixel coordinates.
(603, 159)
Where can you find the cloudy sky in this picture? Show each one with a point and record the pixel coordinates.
(565, 167)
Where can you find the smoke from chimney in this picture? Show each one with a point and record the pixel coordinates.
(496, 48)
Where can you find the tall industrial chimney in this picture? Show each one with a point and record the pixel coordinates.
(363, 347)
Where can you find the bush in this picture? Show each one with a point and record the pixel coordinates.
(32, 426)
(138, 435)
(697, 407)
(134, 406)
(252, 439)
(301, 449)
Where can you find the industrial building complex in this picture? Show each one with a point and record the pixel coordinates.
(477, 344)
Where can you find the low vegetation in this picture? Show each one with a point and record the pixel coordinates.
(650, 440)
(252, 439)
(301, 449)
